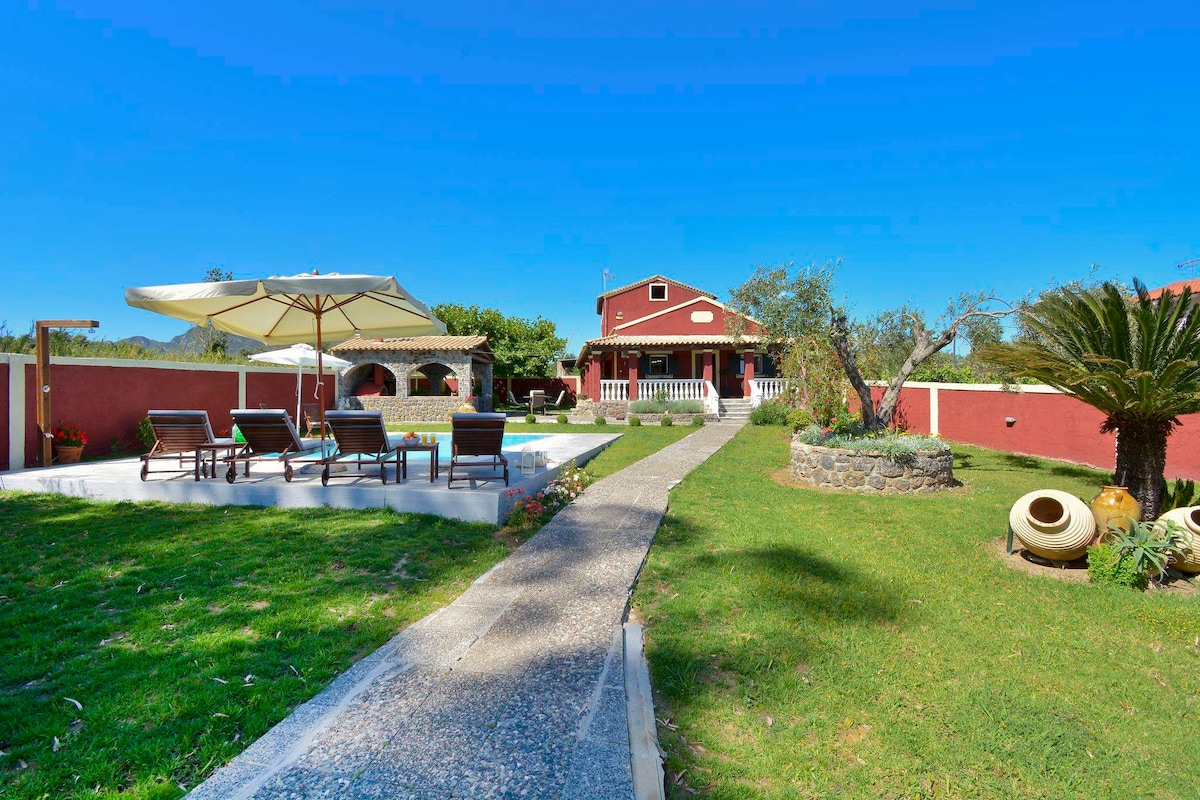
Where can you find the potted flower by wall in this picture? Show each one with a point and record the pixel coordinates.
(68, 443)
(468, 405)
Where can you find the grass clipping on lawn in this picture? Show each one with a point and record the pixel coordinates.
(808, 644)
(144, 645)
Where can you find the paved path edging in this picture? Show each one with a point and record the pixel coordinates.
(516, 689)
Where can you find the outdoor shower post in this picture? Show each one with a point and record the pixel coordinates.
(42, 348)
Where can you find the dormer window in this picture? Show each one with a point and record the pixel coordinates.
(658, 292)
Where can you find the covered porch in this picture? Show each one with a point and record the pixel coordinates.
(622, 369)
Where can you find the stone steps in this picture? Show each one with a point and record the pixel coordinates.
(735, 409)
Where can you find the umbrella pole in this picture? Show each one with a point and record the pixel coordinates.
(299, 391)
(320, 376)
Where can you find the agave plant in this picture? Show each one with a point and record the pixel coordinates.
(1137, 360)
(1151, 545)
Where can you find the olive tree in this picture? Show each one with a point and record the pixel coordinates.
(792, 306)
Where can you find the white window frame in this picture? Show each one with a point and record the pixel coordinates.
(662, 299)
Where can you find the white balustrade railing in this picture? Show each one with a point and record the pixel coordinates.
(766, 389)
(712, 401)
(614, 390)
(671, 390)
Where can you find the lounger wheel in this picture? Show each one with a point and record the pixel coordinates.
(231, 473)
(145, 469)
(287, 472)
(325, 476)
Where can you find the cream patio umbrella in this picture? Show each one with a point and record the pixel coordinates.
(300, 356)
(296, 308)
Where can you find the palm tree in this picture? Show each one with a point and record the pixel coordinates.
(1137, 360)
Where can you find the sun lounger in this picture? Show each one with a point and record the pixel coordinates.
(361, 435)
(270, 436)
(477, 437)
(184, 436)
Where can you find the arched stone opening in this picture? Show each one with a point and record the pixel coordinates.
(430, 380)
(369, 380)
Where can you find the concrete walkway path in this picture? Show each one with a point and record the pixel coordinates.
(516, 689)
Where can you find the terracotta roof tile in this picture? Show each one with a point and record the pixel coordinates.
(1175, 288)
(689, 340)
(454, 343)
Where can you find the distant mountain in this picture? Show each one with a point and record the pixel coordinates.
(192, 341)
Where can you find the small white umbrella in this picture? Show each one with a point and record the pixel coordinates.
(300, 356)
(296, 308)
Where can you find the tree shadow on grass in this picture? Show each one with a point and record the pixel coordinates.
(203, 624)
(1058, 469)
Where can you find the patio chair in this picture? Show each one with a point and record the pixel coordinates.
(312, 418)
(512, 400)
(560, 402)
(270, 436)
(477, 437)
(177, 435)
(361, 434)
(537, 401)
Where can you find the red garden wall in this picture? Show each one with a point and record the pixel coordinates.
(108, 397)
(1045, 423)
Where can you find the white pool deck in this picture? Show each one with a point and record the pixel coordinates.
(484, 498)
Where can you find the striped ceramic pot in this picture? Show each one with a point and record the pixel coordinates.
(1054, 525)
(1189, 520)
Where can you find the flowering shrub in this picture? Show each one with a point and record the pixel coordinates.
(530, 510)
(527, 511)
(571, 481)
(69, 435)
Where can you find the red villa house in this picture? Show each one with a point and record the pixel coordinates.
(660, 336)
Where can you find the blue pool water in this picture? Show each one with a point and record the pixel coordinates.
(513, 443)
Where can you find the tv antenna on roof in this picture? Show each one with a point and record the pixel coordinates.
(1189, 264)
(607, 276)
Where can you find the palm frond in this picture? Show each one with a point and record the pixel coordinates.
(1131, 358)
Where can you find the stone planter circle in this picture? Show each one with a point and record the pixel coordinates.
(870, 473)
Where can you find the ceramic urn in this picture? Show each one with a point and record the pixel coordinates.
(1054, 525)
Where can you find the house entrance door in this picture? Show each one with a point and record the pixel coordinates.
(730, 373)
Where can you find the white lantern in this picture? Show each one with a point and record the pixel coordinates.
(528, 461)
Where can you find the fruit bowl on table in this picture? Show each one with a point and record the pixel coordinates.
(409, 441)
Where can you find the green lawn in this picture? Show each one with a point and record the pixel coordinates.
(807, 644)
(187, 631)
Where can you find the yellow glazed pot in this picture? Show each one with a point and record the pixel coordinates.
(1189, 520)
(1053, 524)
(1114, 506)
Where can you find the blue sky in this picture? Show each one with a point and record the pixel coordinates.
(506, 154)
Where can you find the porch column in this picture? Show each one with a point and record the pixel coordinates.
(707, 374)
(594, 374)
(632, 361)
(749, 373)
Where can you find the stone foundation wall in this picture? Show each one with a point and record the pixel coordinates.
(408, 409)
(615, 410)
(830, 468)
(609, 409)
